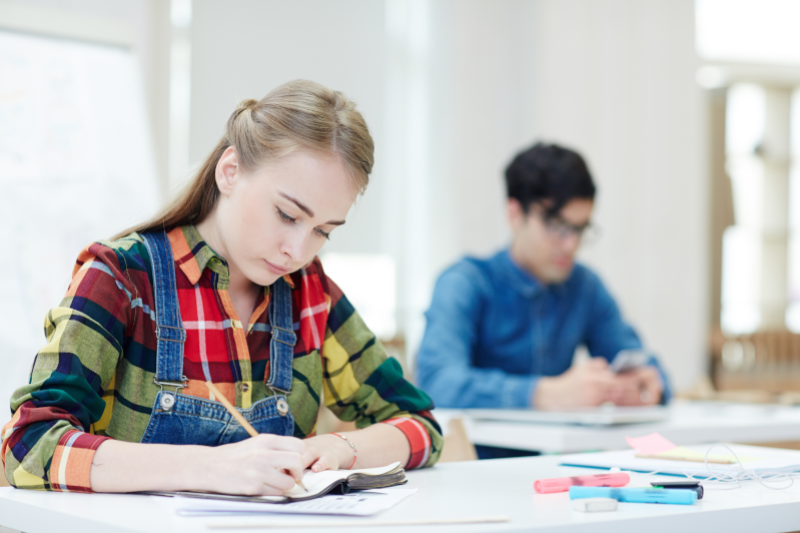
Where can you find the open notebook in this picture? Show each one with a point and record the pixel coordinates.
(317, 483)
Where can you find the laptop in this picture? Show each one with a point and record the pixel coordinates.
(584, 416)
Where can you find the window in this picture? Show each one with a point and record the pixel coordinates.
(76, 165)
(368, 281)
(752, 51)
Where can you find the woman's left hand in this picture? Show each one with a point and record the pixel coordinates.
(325, 452)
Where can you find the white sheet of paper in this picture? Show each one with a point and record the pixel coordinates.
(361, 503)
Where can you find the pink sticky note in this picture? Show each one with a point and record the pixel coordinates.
(650, 444)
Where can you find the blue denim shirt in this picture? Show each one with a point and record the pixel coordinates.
(493, 330)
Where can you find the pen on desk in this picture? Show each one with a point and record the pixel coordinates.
(239, 418)
(692, 485)
(636, 495)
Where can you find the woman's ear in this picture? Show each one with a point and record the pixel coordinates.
(227, 170)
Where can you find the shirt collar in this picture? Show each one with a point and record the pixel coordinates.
(193, 255)
(523, 281)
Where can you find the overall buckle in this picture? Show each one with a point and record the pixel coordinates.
(168, 398)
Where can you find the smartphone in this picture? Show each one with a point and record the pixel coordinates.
(628, 360)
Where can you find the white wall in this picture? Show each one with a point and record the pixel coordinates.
(616, 80)
(245, 48)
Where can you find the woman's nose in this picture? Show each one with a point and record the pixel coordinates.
(293, 245)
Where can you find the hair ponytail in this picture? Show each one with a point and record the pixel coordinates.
(298, 114)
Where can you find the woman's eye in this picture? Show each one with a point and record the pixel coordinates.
(324, 234)
(284, 216)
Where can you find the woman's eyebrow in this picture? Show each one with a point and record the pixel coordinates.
(305, 209)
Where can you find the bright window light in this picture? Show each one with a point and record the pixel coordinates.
(76, 165)
(748, 31)
(793, 311)
(368, 281)
(742, 243)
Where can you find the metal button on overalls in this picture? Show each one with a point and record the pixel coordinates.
(167, 401)
(282, 406)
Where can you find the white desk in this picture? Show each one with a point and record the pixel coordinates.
(478, 488)
(690, 423)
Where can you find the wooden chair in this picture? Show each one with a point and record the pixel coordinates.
(764, 361)
(457, 446)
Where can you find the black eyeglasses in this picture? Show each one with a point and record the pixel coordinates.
(560, 229)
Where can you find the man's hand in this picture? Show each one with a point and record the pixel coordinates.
(640, 386)
(583, 385)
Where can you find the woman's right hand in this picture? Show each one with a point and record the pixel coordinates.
(258, 466)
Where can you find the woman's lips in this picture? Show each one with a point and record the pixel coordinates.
(275, 269)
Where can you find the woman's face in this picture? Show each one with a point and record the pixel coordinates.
(274, 220)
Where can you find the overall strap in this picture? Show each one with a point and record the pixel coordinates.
(169, 328)
(281, 347)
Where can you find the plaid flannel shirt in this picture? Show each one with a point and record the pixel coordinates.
(93, 380)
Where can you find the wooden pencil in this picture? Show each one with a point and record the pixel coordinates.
(238, 416)
(691, 459)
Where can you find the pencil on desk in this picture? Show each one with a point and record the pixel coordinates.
(691, 459)
(238, 416)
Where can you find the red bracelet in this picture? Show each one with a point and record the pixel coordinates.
(355, 450)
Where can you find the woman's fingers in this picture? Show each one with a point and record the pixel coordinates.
(289, 462)
(265, 464)
(279, 480)
(323, 463)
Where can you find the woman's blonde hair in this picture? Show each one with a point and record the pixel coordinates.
(298, 114)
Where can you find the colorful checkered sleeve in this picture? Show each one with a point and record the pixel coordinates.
(362, 384)
(419, 440)
(72, 461)
(47, 444)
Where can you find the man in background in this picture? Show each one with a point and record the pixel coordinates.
(502, 331)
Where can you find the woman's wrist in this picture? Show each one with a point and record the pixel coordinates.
(192, 476)
(352, 447)
(339, 448)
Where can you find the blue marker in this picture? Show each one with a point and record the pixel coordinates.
(676, 496)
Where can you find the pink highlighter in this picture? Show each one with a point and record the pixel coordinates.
(562, 484)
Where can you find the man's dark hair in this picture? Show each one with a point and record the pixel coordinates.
(551, 174)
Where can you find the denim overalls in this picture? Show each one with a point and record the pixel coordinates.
(181, 419)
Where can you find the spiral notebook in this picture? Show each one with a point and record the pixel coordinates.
(317, 483)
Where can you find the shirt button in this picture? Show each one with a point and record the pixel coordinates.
(245, 387)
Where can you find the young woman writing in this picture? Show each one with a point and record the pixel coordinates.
(224, 286)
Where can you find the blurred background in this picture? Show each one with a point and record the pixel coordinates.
(687, 112)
